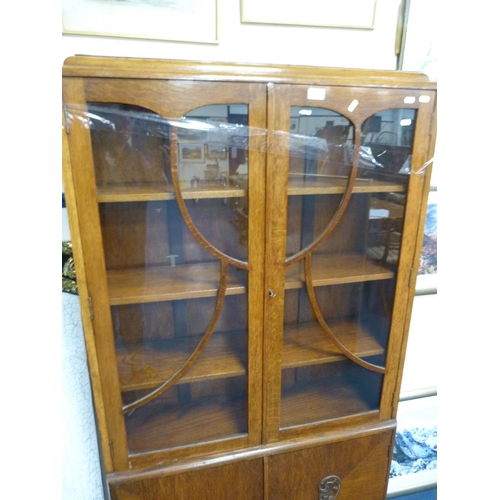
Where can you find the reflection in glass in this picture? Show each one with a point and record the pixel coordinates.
(385, 157)
(319, 143)
(213, 174)
(386, 141)
(319, 163)
(130, 144)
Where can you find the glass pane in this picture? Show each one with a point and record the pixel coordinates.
(336, 330)
(209, 400)
(320, 162)
(385, 160)
(181, 344)
(213, 174)
(387, 140)
(129, 145)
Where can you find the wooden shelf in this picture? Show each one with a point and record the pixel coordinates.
(337, 269)
(191, 281)
(167, 424)
(162, 283)
(298, 184)
(147, 365)
(306, 344)
(155, 191)
(320, 400)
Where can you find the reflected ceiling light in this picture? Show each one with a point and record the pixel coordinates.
(405, 122)
(353, 105)
(306, 112)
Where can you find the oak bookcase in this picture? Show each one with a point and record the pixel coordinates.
(246, 239)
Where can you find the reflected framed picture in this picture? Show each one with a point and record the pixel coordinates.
(191, 152)
(359, 14)
(294, 125)
(194, 135)
(176, 20)
(216, 151)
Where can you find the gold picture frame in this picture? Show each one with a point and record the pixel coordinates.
(216, 151)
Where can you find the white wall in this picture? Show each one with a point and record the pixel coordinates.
(81, 468)
(420, 375)
(421, 365)
(421, 36)
(255, 43)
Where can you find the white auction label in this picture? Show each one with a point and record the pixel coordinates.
(316, 93)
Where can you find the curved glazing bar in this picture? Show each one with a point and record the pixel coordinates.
(320, 140)
(192, 227)
(324, 325)
(210, 176)
(194, 355)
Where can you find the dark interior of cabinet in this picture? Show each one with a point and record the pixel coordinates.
(328, 391)
(329, 385)
(308, 216)
(153, 232)
(189, 413)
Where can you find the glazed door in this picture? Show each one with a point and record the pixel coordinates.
(343, 181)
(170, 185)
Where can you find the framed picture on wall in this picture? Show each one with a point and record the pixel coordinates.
(358, 14)
(176, 20)
(427, 272)
(414, 460)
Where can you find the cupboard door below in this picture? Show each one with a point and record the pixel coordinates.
(241, 480)
(349, 470)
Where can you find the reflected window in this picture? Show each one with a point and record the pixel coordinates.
(387, 140)
(320, 142)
